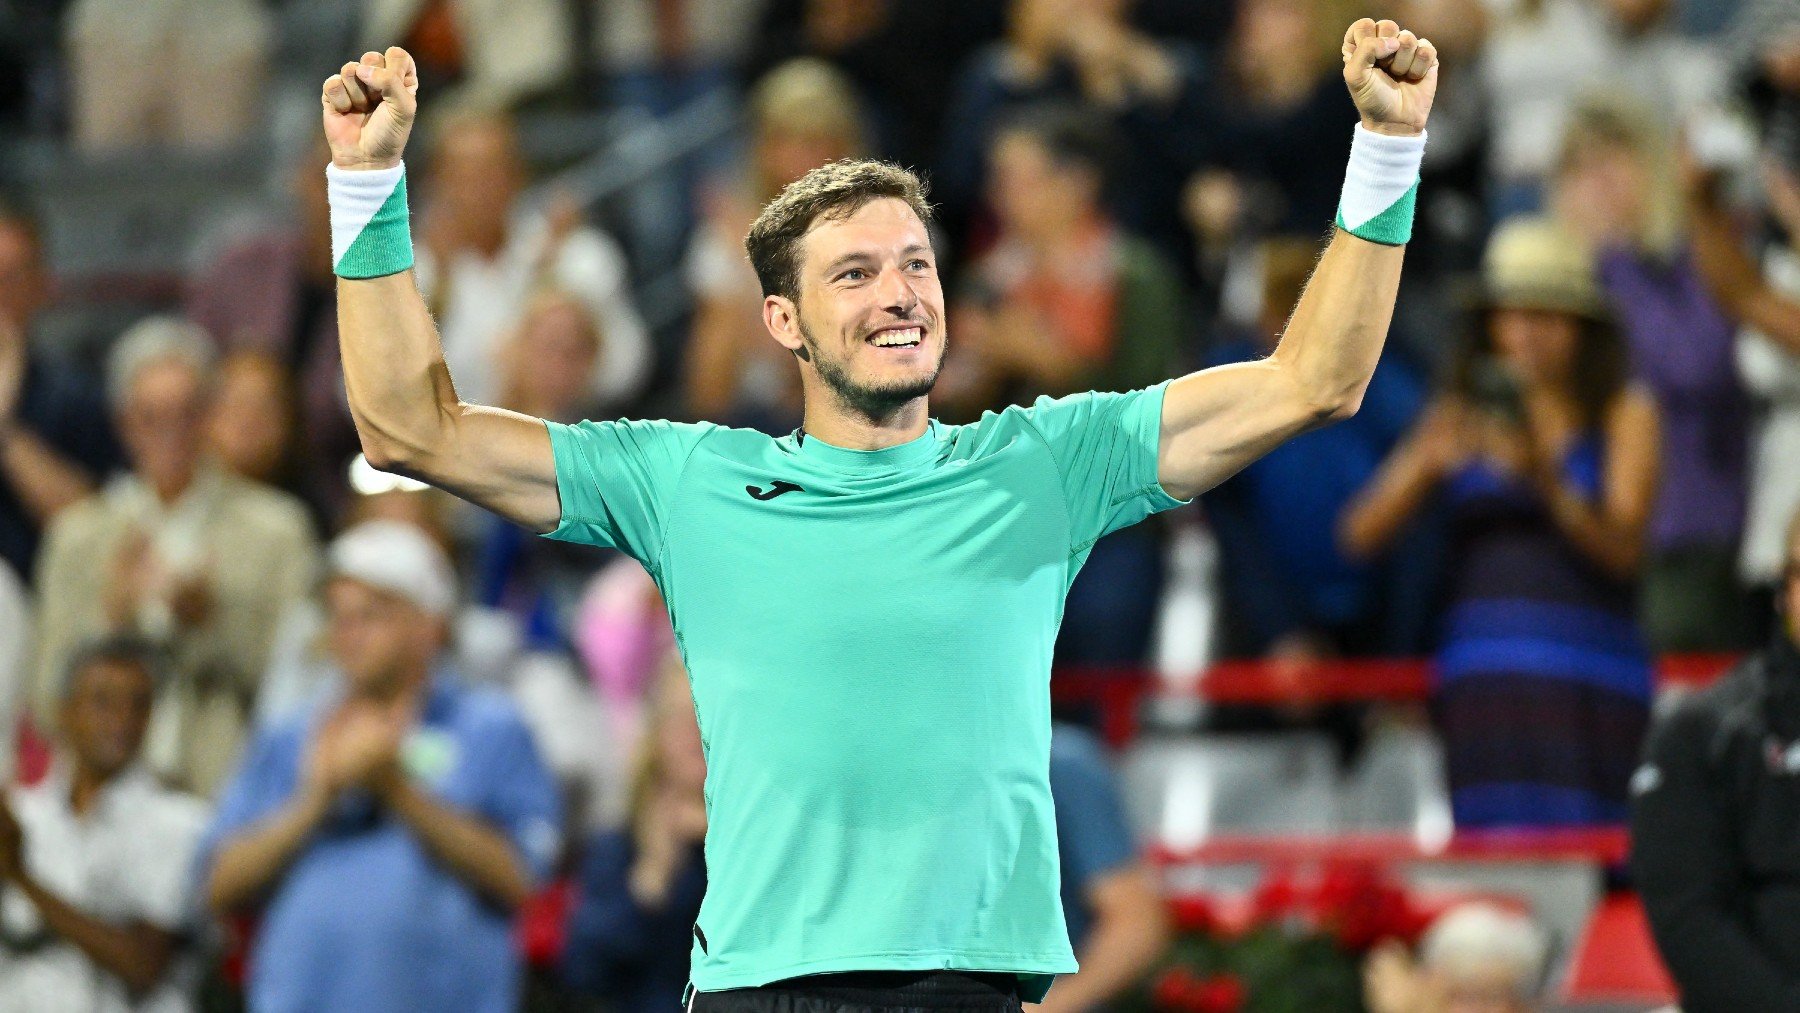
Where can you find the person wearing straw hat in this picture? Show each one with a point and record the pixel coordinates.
(1545, 458)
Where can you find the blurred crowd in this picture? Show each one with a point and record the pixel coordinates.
(378, 749)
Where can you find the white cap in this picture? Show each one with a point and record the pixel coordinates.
(398, 557)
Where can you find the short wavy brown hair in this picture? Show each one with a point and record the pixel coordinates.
(833, 191)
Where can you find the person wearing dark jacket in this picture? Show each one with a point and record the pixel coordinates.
(1716, 827)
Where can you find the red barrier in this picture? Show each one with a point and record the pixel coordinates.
(1118, 692)
(1600, 845)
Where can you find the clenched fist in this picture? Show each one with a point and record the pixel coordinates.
(1392, 76)
(369, 109)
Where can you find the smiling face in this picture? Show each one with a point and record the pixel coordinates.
(868, 324)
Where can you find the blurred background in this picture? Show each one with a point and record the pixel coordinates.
(1356, 731)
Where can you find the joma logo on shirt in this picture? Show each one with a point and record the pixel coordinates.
(775, 489)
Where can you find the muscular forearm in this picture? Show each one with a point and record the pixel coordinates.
(44, 481)
(249, 863)
(1335, 336)
(399, 388)
(137, 954)
(473, 851)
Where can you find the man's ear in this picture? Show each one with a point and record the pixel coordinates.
(782, 318)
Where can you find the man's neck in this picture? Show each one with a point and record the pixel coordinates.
(843, 426)
(85, 785)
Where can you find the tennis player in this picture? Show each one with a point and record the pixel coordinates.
(867, 606)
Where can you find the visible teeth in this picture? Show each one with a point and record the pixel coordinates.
(909, 336)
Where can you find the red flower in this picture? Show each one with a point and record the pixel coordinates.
(1194, 913)
(1224, 993)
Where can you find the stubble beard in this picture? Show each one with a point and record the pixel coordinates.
(872, 401)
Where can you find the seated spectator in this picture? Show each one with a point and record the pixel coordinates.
(1111, 899)
(633, 926)
(1624, 46)
(1280, 117)
(250, 431)
(1712, 811)
(803, 114)
(1066, 301)
(1545, 458)
(55, 440)
(180, 551)
(1615, 188)
(1083, 52)
(1765, 303)
(273, 293)
(902, 55)
(385, 836)
(1475, 957)
(95, 859)
(126, 62)
(15, 664)
(1286, 580)
(481, 257)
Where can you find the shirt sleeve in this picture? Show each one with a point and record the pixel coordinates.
(1105, 446)
(259, 787)
(1090, 819)
(615, 481)
(162, 877)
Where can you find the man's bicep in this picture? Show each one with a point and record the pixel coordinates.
(502, 461)
(1218, 420)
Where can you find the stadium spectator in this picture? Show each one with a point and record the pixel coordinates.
(273, 293)
(1286, 579)
(1546, 459)
(1766, 303)
(1616, 189)
(178, 550)
(1112, 901)
(1624, 46)
(95, 859)
(1277, 110)
(1475, 958)
(1081, 51)
(802, 115)
(1712, 809)
(1068, 300)
(903, 55)
(385, 836)
(125, 63)
(633, 926)
(250, 430)
(55, 441)
(622, 631)
(487, 53)
(481, 256)
(15, 664)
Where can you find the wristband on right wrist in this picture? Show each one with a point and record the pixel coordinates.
(370, 233)
(1381, 186)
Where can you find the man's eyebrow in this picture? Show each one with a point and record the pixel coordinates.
(858, 256)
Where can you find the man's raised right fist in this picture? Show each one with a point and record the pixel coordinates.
(369, 109)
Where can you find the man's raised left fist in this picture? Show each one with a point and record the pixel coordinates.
(1392, 76)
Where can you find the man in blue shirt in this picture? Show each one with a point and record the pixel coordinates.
(1118, 924)
(387, 835)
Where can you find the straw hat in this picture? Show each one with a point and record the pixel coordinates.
(1535, 263)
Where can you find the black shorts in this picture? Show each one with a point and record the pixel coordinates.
(867, 991)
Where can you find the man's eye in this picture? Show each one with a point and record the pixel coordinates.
(854, 274)
(918, 264)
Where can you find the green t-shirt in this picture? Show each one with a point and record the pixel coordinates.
(868, 636)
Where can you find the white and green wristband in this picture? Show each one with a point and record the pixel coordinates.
(370, 236)
(1381, 186)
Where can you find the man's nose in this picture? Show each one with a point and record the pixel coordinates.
(896, 292)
